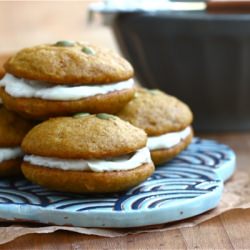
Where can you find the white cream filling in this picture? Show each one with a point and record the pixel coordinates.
(168, 140)
(125, 162)
(24, 88)
(10, 153)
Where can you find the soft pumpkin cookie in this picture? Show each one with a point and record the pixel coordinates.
(164, 118)
(86, 154)
(12, 130)
(65, 78)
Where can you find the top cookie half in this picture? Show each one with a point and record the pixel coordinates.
(156, 112)
(68, 62)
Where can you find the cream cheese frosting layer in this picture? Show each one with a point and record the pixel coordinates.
(24, 88)
(125, 162)
(168, 140)
(10, 153)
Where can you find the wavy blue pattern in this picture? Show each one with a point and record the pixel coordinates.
(205, 152)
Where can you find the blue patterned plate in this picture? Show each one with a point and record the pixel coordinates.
(185, 187)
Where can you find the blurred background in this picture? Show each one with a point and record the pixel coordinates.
(197, 51)
(26, 23)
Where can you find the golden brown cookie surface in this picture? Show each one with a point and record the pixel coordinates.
(69, 63)
(156, 112)
(12, 128)
(86, 181)
(88, 137)
(40, 109)
(160, 156)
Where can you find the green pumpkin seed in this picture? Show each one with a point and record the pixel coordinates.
(105, 116)
(65, 43)
(88, 51)
(80, 115)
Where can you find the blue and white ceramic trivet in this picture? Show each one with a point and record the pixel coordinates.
(211, 155)
(185, 187)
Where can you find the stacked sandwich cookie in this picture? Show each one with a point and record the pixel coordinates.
(65, 78)
(81, 146)
(12, 130)
(76, 152)
(164, 118)
(86, 154)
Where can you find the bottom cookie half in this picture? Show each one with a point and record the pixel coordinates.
(163, 155)
(40, 109)
(86, 181)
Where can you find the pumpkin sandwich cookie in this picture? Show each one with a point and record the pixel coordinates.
(12, 130)
(65, 78)
(86, 154)
(164, 118)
